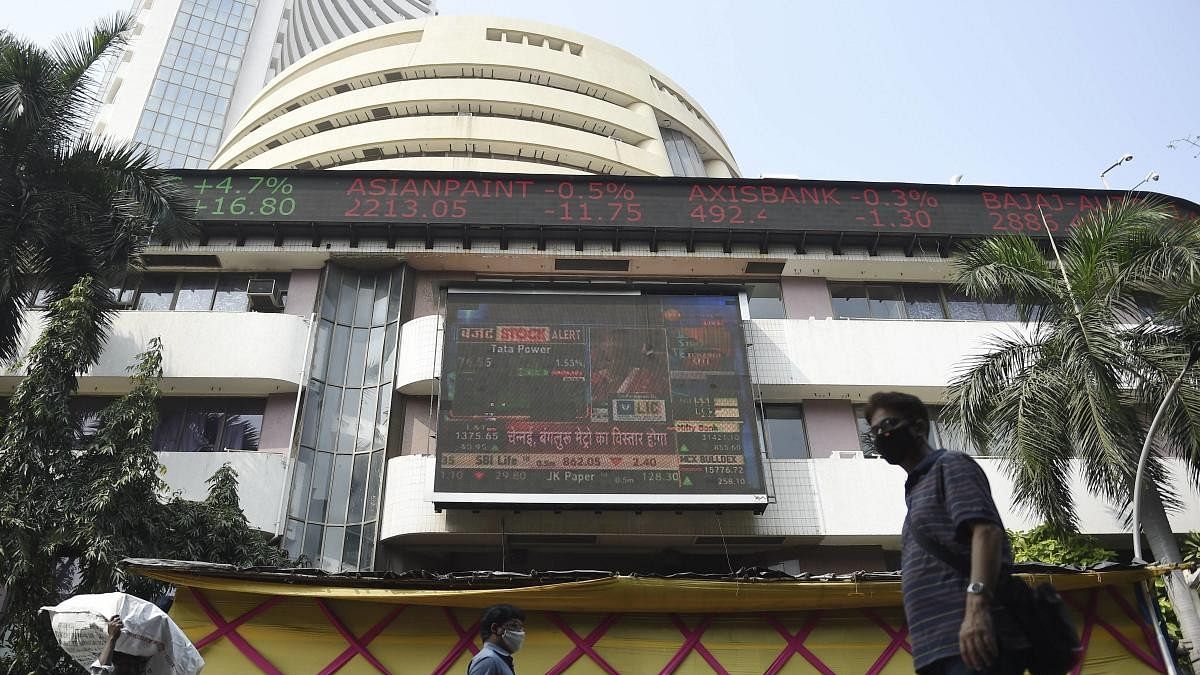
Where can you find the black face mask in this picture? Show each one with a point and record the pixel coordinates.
(897, 444)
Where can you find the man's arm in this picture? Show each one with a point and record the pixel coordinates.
(977, 637)
(104, 663)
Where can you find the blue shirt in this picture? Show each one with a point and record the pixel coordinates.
(946, 493)
(492, 659)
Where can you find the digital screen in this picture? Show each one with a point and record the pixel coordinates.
(632, 203)
(596, 395)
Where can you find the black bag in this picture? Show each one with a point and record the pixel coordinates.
(1039, 611)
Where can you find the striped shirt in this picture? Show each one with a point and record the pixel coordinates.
(946, 493)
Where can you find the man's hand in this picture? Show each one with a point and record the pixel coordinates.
(115, 626)
(977, 638)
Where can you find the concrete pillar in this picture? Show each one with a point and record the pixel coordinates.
(302, 292)
(417, 437)
(653, 145)
(831, 426)
(806, 297)
(717, 168)
(276, 433)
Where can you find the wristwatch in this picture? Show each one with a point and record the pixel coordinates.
(979, 588)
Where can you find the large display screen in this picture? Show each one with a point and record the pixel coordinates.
(602, 396)
(586, 203)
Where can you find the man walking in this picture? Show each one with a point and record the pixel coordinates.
(954, 627)
(502, 629)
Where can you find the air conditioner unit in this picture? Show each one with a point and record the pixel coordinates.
(264, 295)
(847, 454)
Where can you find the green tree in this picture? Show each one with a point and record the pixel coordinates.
(1078, 386)
(74, 507)
(71, 205)
(1042, 544)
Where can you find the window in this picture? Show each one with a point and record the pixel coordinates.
(766, 301)
(209, 424)
(915, 301)
(186, 424)
(682, 153)
(783, 426)
(191, 292)
(940, 435)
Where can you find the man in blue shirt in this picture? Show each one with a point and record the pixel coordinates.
(954, 626)
(502, 629)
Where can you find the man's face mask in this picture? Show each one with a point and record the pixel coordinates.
(894, 439)
(514, 639)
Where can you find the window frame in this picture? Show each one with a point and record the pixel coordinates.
(984, 307)
(761, 410)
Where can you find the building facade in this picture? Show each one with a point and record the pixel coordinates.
(476, 94)
(304, 329)
(191, 66)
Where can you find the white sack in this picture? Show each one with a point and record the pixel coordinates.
(81, 625)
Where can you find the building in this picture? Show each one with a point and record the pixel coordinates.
(496, 168)
(476, 94)
(191, 66)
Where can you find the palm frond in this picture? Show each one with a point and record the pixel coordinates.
(1009, 268)
(1029, 425)
(146, 192)
(76, 53)
(30, 90)
(972, 393)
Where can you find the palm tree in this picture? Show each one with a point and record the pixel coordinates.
(1076, 388)
(71, 205)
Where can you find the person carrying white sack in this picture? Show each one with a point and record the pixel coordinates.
(116, 634)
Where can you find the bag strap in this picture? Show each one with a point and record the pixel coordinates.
(956, 561)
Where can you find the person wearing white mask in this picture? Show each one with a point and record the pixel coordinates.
(502, 629)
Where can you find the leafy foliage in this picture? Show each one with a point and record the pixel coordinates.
(70, 205)
(73, 507)
(1042, 544)
(1076, 389)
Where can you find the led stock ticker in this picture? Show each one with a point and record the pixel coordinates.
(253, 196)
(575, 203)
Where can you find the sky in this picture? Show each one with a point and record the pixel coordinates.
(1020, 93)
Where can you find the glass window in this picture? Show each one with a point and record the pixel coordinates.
(849, 301)
(962, 307)
(886, 302)
(157, 292)
(783, 424)
(766, 301)
(243, 426)
(231, 293)
(682, 153)
(201, 430)
(923, 302)
(1001, 311)
(196, 292)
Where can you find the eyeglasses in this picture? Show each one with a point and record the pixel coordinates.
(886, 426)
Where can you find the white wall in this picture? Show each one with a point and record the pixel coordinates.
(865, 498)
(204, 353)
(842, 501)
(260, 480)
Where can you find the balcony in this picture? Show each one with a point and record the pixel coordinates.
(793, 359)
(204, 353)
(838, 502)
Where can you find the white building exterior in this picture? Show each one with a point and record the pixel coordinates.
(191, 66)
(476, 94)
(825, 330)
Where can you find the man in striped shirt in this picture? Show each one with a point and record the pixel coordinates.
(953, 625)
